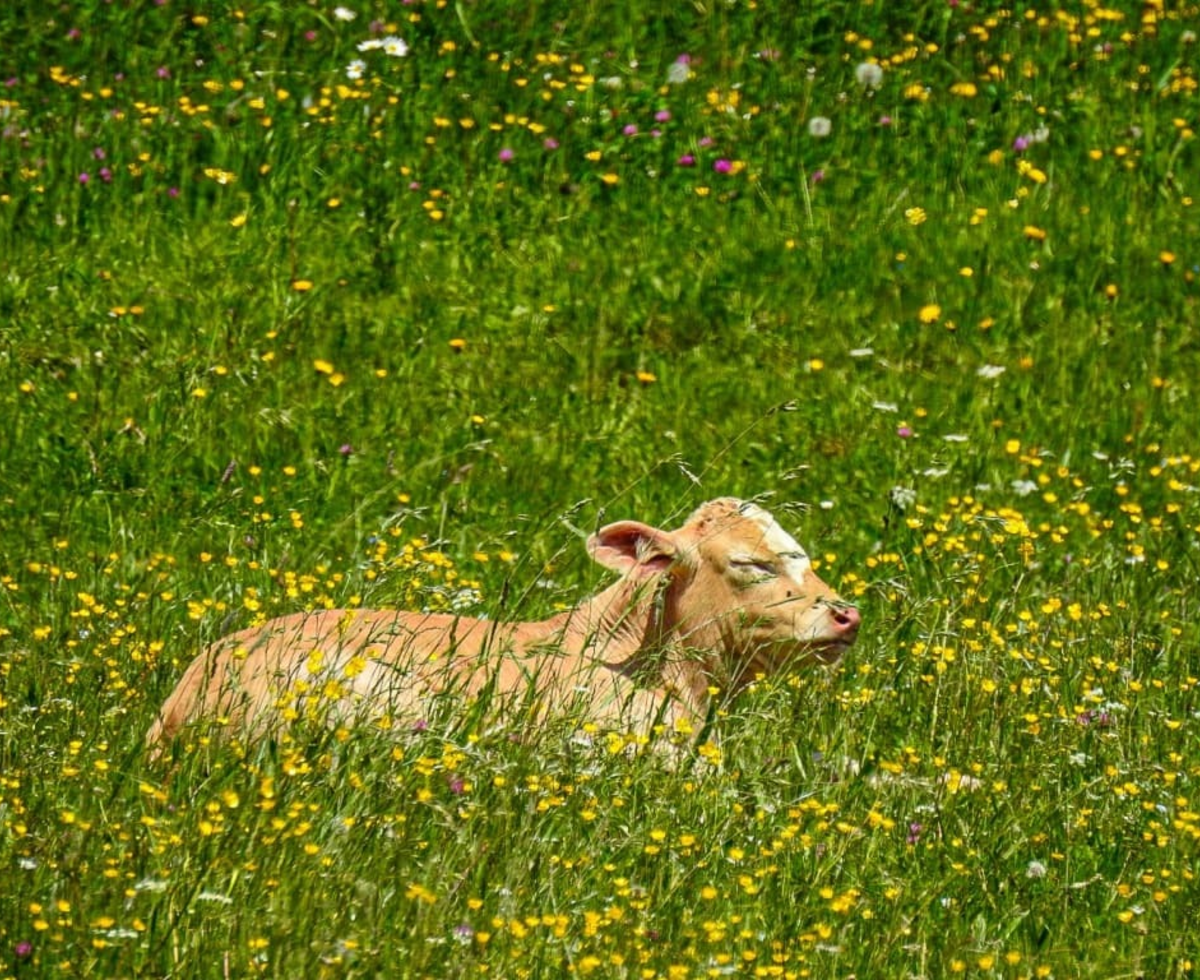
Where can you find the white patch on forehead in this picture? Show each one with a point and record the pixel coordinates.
(794, 557)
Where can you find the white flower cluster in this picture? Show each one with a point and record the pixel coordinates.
(395, 47)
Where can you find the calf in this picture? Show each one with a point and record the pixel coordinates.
(726, 598)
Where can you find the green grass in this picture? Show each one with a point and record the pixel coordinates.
(272, 338)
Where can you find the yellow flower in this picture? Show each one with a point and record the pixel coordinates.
(965, 89)
(930, 313)
(1034, 233)
(302, 285)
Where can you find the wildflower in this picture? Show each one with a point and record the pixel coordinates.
(904, 432)
(646, 377)
(394, 47)
(929, 313)
(819, 127)
(1034, 233)
(722, 166)
(356, 69)
(550, 143)
(458, 344)
(344, 14)
(506, 155)
(869, 75)
(966, 90)
(687, 160)
(915, 216)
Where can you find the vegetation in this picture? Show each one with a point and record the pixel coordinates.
(389, 304)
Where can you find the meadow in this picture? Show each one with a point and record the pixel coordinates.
(390, 303)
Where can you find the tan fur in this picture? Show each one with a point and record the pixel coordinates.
(709, 604)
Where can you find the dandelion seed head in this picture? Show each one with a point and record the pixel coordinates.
(869, 75)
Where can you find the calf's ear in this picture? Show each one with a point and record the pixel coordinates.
(632, 548)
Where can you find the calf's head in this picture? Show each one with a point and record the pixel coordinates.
(737, 586)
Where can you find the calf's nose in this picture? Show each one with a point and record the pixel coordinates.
(846, 619)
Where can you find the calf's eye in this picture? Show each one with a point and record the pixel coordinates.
(756, 568)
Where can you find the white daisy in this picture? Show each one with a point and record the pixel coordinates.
(395, 47)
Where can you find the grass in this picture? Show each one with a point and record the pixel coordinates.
(273, 338)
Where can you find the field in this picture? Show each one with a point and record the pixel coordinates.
(390, 304)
